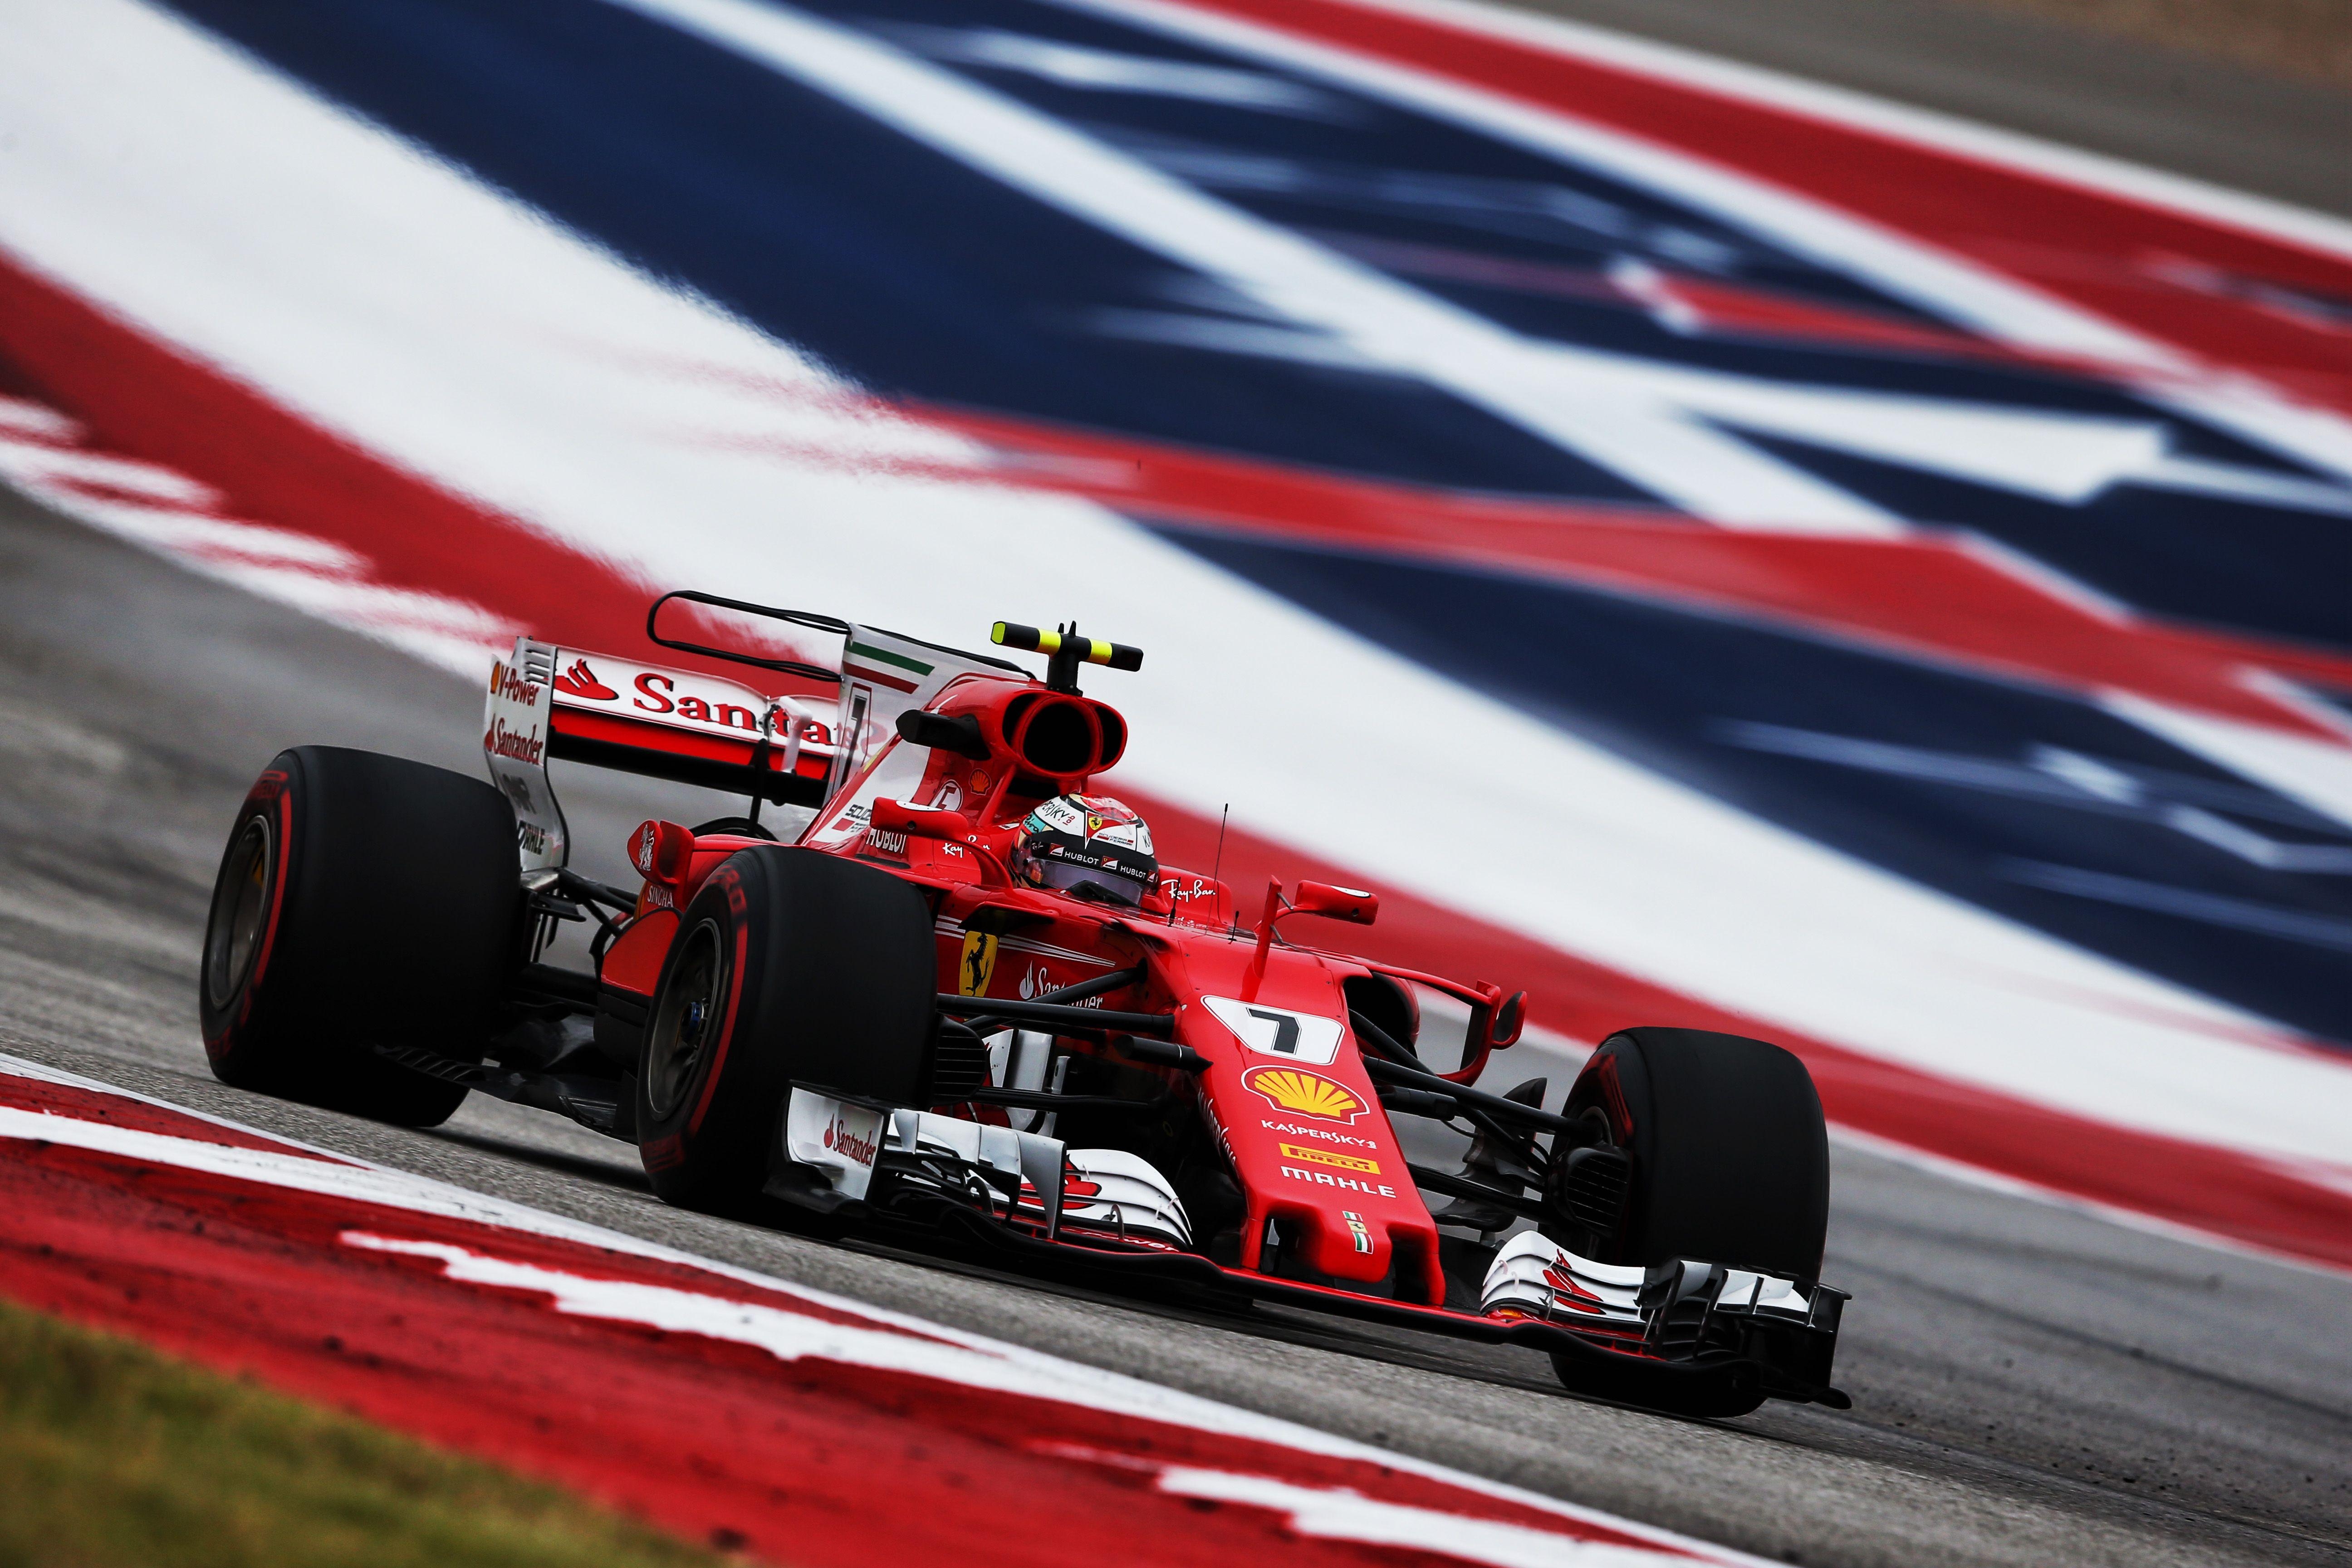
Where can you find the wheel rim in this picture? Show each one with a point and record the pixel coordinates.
(685, 1021)
(1577, 1236)
(239, 913)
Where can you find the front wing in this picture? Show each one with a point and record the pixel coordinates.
(1688, 1334)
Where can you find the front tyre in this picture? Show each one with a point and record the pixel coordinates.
(1729, 1163)
(1729, 1155)
(362, 900)
(788, 966)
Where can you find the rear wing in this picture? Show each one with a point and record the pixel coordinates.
(546, 701)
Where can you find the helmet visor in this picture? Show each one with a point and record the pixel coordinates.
(1098, 881)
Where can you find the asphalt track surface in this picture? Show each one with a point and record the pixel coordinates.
(2031, 1386)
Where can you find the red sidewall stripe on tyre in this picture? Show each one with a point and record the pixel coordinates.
(282, 809)
(734, 1004)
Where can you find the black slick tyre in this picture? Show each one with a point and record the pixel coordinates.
(362, 900)
(788, 966)
(1729, 1163)
(1730, 1157)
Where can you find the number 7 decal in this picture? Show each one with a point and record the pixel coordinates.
(1308, 1037)
(1285, 1032)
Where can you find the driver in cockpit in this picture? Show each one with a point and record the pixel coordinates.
(1087, 845)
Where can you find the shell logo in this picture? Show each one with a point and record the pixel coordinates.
(1304, 1093)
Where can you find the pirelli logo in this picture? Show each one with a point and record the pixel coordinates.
(1324, 1157)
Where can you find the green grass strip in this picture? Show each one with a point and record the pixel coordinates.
(112, 1456)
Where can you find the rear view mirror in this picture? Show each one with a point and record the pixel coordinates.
(960, 735)
(1348, 904)
(1509, 1017)
(661, 851)
(893, 816)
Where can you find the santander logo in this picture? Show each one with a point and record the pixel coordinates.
(503, 742)
(679, 700)
(849, 1144)
(1568, 1293)
(1037, 981)
(580, 681)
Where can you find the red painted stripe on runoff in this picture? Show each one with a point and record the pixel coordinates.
(44, 1098)
(2129, 262)
(723, 1408)
(277, 468)
(1925, 594)
(137, 395)
(1929, 594)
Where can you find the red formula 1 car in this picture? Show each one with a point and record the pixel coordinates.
(966, 999)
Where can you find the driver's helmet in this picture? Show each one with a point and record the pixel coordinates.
(1089, 844)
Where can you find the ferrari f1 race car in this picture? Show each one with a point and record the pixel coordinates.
(965, 1003)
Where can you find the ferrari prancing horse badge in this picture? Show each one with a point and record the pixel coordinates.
(979, 964)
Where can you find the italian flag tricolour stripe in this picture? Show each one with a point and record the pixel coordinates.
(858, 661)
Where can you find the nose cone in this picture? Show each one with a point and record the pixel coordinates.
(1306, 1133)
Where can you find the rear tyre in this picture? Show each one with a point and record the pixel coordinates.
(1729, 1163)
(788, 966)
(362, 900)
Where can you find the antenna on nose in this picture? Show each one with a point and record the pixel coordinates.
(1065, 650)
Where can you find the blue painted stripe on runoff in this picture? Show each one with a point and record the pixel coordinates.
(2205, 559)
(2030, 803)
(885, 259)
(921, 278)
